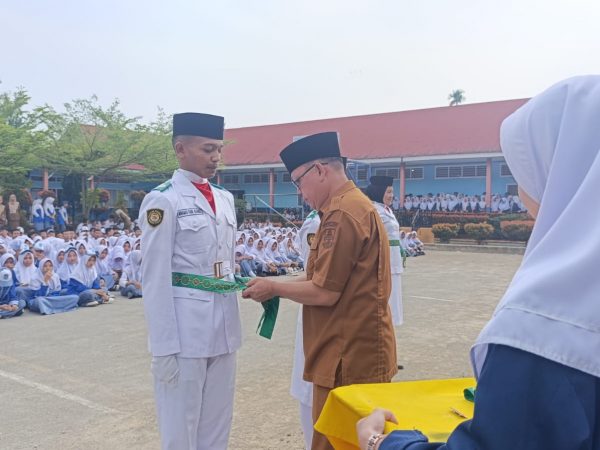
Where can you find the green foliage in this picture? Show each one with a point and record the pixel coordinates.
(517, 230)
(456, 97)
(240, 209)
(495, 221)
(478, 231)
(445, 231)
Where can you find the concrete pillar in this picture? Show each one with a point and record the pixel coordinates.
(488, 182)
(92, 183)
(219, 178)
(272, 188)
(402, 183)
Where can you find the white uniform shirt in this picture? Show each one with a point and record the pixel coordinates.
(392, 227)
(189, 239)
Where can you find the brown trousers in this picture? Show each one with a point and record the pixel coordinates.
(319, 441)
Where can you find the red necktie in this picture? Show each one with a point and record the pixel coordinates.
(208, 194)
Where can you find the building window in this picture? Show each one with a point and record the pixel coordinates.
(231, 179)
(361, 174)
(256, 178)
(470, 171)
(441, 172)
(286, 178)
(393, 173)
(512, 189)
(505, 171)
(414, 173)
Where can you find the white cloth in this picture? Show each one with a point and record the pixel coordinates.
(303, 390)
(194, 401)
(189, 239)
(551, 308)
(25, 274)
(85, 275)
(392, 227)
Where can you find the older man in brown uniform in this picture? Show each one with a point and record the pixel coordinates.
(348, 331)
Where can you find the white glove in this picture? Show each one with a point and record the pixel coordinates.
(165, 368)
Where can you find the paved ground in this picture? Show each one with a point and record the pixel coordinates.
(81, 380)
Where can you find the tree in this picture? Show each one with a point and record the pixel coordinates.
(19, 138)
(91, 141)
(456, 97)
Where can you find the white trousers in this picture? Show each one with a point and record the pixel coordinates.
(194, 401)
(306, 421)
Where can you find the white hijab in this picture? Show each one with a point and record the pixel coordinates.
(38, 280)
(65, 270)
(552, 307)
(134, 270)
(84, 274)
(25, 274)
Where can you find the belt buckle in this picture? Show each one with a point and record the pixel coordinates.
(218, 270)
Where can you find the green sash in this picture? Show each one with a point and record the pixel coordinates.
(271, 306)
(394, 243)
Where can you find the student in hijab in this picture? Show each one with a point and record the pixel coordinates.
(117, 260)
(266, 265)
(47, 292)
(68, 266)
(8, 261)
(538, 359)
(381, 192)
(131, 279)
(292, 253)
(244, 260)
(106, 274)
(25, 272)
(84, 282)
(10, 304)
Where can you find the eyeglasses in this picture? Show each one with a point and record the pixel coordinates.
(296, 182)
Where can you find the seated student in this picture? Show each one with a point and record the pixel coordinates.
(292, 253)
(25, 272)
(39, 252)
(106, 274)
(267, 266)
(273, 255)
(10, 305)
(7, 260)
(404, 245)
(537, 360)
(117, 261)
(47, 292)
(131, 279)
(415, 243)
(68, 266)
(244, 261)
(84, 282)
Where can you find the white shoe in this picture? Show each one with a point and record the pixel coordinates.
(92, 303)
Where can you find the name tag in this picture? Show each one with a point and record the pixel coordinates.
(189, 212)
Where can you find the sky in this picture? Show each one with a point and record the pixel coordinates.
(260, 62)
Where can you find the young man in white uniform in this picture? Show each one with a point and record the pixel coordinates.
(188, 239)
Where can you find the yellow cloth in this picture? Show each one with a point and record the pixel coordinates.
(426, 406)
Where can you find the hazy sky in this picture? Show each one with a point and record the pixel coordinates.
(260, 62)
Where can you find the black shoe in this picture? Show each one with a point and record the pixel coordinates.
(400, 367)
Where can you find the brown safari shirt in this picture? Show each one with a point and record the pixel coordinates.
(352, 341)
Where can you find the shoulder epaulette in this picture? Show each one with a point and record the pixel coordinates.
(163, 187)
(218, 187)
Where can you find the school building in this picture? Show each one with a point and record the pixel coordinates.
(437, 150)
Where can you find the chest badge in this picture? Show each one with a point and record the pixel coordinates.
(155, 216)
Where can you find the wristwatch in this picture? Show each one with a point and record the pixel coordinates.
(373, 441)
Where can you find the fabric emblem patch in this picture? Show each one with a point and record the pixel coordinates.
(329, 229)
(154, 216)
(310, 237)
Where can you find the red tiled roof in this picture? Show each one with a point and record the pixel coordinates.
(450, 130)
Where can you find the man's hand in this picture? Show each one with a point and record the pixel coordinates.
(259, 290)
(373, 424)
